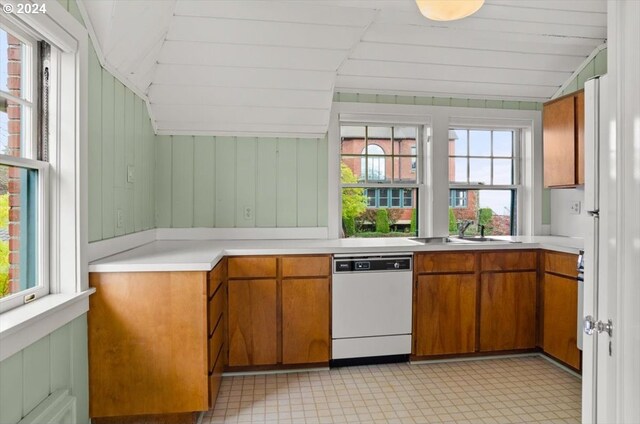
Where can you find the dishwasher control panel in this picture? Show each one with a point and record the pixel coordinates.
(396, 263)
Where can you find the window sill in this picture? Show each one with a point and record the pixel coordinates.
(28, 323)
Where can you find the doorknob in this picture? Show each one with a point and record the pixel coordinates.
(591, 326)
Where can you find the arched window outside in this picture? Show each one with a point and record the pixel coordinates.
(375, 165)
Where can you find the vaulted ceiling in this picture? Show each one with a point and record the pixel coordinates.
(271, 67)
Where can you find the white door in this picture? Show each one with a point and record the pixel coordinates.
(611, 374)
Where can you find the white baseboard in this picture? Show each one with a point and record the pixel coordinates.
(241, 233)
(102, 249)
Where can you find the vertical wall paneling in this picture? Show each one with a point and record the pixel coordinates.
(11, 388)
(79, 360)
(266, 183)
(108, 156)
(149, 175)
(287, 214)
(36, 374)
(182, 181)
(120, 177)
(139, 116)
(144, 172)
(95, 147)
(130, 154)
(245, 182)
(204, 191)
(323, 179)
(60, 344)
(307, 187)
(225, 182)
(163, 179)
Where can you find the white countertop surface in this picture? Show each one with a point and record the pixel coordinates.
(202, 255)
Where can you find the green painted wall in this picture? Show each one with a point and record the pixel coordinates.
(434, 101)
(211, 181)
(120, 136)
(596, 66)
(57, 361)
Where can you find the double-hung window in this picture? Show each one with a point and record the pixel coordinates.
(24, 168)
(380, 179)
(484, 179)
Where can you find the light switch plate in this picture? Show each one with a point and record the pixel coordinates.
(120, 218)
(131, 174)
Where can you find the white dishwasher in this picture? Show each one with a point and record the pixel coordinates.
(372, 298)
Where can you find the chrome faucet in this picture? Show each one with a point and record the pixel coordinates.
(462, 227)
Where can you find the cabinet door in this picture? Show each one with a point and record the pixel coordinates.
(558, 127)
(252, 322)
(560, 319)
(579, 99)
(305, 320)
(507, 311)
(445, 314)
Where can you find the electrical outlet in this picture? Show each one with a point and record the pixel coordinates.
(131, 174)
(120, 218)
(574, 207)
(248, 213)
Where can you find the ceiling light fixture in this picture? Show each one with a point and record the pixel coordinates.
(448, 10)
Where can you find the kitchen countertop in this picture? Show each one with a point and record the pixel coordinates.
(203, 255)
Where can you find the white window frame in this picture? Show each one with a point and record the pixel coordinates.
(28, 160)
(436, 120)
(517, 164)
(67, 187)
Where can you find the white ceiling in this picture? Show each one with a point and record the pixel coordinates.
(271, 67)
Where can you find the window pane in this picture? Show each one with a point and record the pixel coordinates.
(503, 143)
(479, 143)
(18, 221)
(383, 198)
(480, 171)
(458, 142)
(502, 171)
(353, 169)
(491, 208)
(458, 170)
(378, 135)
(404, 140)
(395, 198)
(11, 128)
(407, 198)
(12, 70)
(404, 169)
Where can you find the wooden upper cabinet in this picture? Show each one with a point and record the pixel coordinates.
(252, 267)
(445, 315)
(507, 311)
(253, 334)
(306, 266)
(305, 320)
(563, 140)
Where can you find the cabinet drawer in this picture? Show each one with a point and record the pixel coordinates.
(445, 262)
(306, 266)
(561, 263)
(252, 267)
(216, 308)
(215, 378)
(508, 261)
(215, 343)
(217, 276)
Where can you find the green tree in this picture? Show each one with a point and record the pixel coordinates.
(414, 218)
(382, 221)
(4, 268)
(453, 224)
(354, 201)
(485, 215)
(4, 210)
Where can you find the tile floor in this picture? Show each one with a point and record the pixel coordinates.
(509, 390)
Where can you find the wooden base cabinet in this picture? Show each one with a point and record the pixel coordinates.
(305, 318)
(279, 310)
(253, 330)
(508, 311)
(560, 322)
(445, 314)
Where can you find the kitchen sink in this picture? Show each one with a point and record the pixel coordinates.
(455, 239)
